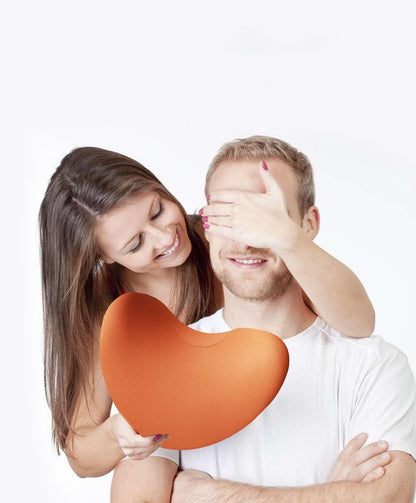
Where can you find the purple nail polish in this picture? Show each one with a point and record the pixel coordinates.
(157, 438)
(205, 219)
(264, 165)
(208, 197)
(205, 226)
(201, 211)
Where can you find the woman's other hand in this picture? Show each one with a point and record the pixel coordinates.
(132, 444)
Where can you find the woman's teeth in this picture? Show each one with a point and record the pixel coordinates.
(171, 250)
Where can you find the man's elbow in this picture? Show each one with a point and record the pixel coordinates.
(398, 483)
(403, 495)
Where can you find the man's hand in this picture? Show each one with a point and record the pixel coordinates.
(184, 482)
(361, 464)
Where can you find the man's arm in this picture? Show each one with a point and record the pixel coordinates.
(396, 486)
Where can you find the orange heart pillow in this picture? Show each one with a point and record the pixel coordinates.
(165, 377)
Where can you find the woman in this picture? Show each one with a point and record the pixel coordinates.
(109, 226)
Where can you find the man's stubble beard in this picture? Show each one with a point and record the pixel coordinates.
(273, 287)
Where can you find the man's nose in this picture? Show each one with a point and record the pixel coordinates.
(239, 247)
(236, 247)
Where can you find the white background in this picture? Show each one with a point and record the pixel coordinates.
(167, 83)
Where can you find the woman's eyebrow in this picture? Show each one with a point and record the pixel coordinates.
(137, 234)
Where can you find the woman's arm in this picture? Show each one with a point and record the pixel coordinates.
(99, 440)
(146, 481)
(92, 449)
(331, 289)
(261, 220)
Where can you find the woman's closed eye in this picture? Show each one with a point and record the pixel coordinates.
(159, 212)
(139, 243)
(137, 246)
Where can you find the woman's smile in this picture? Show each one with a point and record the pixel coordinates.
(172, 249)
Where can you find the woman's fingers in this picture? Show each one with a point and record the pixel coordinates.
(217, 209)
(151, 441)
(142, 447)
(218, 221)
(226, 196)
(269, 181)
(231, 196)
(133, 444)
(220, 230)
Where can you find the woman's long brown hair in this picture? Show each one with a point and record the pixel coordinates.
(75, 283)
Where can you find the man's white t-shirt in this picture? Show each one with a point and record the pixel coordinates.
(336, 388)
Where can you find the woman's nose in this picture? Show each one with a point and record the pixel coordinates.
(162, 238)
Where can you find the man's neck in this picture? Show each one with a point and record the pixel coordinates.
(285, 316)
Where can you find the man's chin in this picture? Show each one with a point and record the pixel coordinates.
(273, 287)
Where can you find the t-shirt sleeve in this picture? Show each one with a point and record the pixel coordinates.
(167, 453)
(385, 404)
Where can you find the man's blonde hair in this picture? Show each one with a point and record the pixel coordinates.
(256, 148)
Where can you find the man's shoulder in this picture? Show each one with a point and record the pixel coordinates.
(374, 348)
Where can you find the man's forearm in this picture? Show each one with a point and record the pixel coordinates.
(397, 485)
(223, 491)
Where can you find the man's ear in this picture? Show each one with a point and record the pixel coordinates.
(311, 222)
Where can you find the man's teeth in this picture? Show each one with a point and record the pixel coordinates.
(248, 261)
(171, 250)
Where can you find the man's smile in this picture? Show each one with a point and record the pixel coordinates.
(250, 262)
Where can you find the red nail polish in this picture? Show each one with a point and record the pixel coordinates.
(205, 219)
(205, 226)
(264, 165)
(157, 438)
(201, 211)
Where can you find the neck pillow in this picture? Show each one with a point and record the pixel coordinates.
(165, 377)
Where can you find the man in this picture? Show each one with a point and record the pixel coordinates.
(336, 387)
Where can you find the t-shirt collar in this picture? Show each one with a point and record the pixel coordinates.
(315, 327)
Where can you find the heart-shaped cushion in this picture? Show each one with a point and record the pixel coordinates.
(165, 377)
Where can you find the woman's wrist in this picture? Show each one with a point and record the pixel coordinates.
(287, 238)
